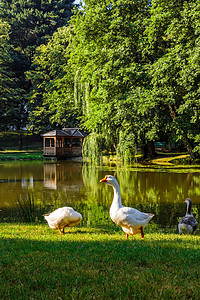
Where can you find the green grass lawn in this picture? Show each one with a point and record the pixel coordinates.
(21, 155)
(39, 263)
(9, 144)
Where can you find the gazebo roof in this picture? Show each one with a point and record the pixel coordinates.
(55, 133)
(67, 132)
(74, 132)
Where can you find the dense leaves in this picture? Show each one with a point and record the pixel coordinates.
(175, 74)
(142, 64)
(9, 93)
(51, 100)
(108, 55)
(31, 23)
(127, 71)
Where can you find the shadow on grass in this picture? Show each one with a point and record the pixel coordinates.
(99, 267)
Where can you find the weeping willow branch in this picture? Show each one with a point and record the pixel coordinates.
(126, 148)
(76, 88)
(92, 147)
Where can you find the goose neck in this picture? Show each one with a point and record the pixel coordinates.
(189, 208)
(117, 196)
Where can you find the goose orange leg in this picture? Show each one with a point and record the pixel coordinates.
(64, 228)
(60, 231)
(127, 236)
(142, 232)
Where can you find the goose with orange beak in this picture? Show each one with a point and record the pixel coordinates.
(130, 219)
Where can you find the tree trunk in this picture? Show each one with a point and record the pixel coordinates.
(184, 139)
(20, 141)
(148, 150)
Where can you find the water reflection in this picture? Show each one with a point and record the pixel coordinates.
(62, 176)
(75, 184)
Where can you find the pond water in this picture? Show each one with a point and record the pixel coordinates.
(30, 189)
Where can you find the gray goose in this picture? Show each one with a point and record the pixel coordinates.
(188, 224)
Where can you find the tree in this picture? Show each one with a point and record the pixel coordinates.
(141, 63)
(9, 93)
(108, 61)
(52, 97)
(32, 23)
(175, 71)
(128, 71)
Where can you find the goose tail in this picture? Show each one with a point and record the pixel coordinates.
(150, 216)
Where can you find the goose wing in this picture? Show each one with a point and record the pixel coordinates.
(131, 217)
(61, 216)
(189, 220)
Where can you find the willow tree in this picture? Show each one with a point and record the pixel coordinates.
(128, 73)
(141, 63)
(92, 147)
(106, 52)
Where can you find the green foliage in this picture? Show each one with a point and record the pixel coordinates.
(9, 92)
(31, 23)
(92, 147)
(175, 71)
(127, 65)
(124, 69)
(27, 209)
(126, 148)
(106, 52)
(51, 100)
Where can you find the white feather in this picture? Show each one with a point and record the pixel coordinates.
(130, 219)
(63, 217)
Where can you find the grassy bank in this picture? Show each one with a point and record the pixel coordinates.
(21, 155)
(31, 145)
(38, 155)
(38, 263)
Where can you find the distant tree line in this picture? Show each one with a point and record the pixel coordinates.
(126, 71)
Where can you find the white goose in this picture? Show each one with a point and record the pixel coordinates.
(63, 217)
(188, 224)
(130, 219)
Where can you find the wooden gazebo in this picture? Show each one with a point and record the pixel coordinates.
(65, 143)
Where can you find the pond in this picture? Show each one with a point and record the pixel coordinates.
(30, 189)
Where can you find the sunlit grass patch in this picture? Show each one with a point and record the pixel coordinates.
(169, 161)
(21, 155)
(90, 263)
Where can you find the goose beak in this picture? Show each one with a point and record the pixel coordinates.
(104, 179)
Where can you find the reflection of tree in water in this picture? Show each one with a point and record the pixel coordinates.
(195, 183)
(96, 210)
(77, 185)
(160, 193)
